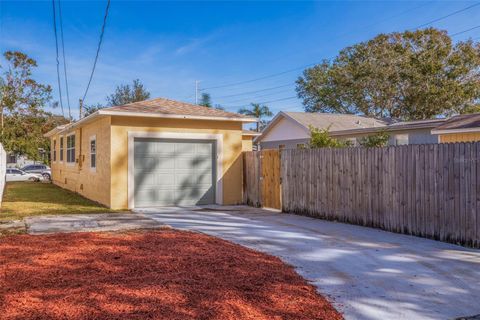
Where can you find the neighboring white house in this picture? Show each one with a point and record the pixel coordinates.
(292, 129)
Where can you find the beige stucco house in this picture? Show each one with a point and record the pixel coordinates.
(157, 152)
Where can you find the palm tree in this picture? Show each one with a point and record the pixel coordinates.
(258, 111)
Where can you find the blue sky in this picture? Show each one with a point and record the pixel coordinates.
(169, 45)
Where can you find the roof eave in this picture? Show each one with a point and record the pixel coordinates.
(254, 134)
(458, 130)
(139, 114)
(54, 131)
(72, 125)
(388, 128)
(174, 116)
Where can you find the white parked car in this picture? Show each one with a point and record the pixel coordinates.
(19, 175)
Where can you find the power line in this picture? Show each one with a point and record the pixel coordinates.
(464, 31)
(271, 101)
(446, 16)
(261, 78)
(311, 64)
(98, 49)
(259, 96)
(64, 58)
(388, 18)
(56, 53)
(254, 91)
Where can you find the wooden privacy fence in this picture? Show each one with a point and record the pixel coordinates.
(425, 190)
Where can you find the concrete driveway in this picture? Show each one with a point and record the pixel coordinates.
(367, 273)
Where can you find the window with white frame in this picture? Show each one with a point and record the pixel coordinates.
(93, 152)
(54, 156)
(61, 148)
(71, 148)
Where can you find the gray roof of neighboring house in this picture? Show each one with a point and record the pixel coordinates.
(396, 126)
(334, 120)
(463, 122)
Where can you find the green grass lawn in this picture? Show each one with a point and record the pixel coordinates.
(24, 199)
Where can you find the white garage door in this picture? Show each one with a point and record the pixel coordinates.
(173, 172)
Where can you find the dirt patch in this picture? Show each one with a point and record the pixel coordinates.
(163, 274)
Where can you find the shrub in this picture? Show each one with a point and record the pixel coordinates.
(320, 138)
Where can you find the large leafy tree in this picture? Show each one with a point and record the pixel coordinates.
(22, 102)
(23, 133)
(409, 75)
(258, 111)
(126, 93)
(123, 94)
(89, 109)
(19, 92)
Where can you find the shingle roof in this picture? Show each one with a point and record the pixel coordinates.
(172, 107)
(397, 126)
(335, 121)
(463, 121)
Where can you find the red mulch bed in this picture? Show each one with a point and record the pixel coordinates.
(148, 275)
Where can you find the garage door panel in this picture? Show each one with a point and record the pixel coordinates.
(197, 193)
(144, 148)
(164, 148)
(184, 163)
(205, 149)
(185, 180)
(145, 179)
(205, 178)
(153, 197)
(154, 149)
(185, 148)
(173, 172)
(150, 162)
(204, 165)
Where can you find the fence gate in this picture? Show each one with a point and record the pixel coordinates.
(262, 179)
(271, 192)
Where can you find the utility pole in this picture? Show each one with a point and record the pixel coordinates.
(196, 91)
(81, 109)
